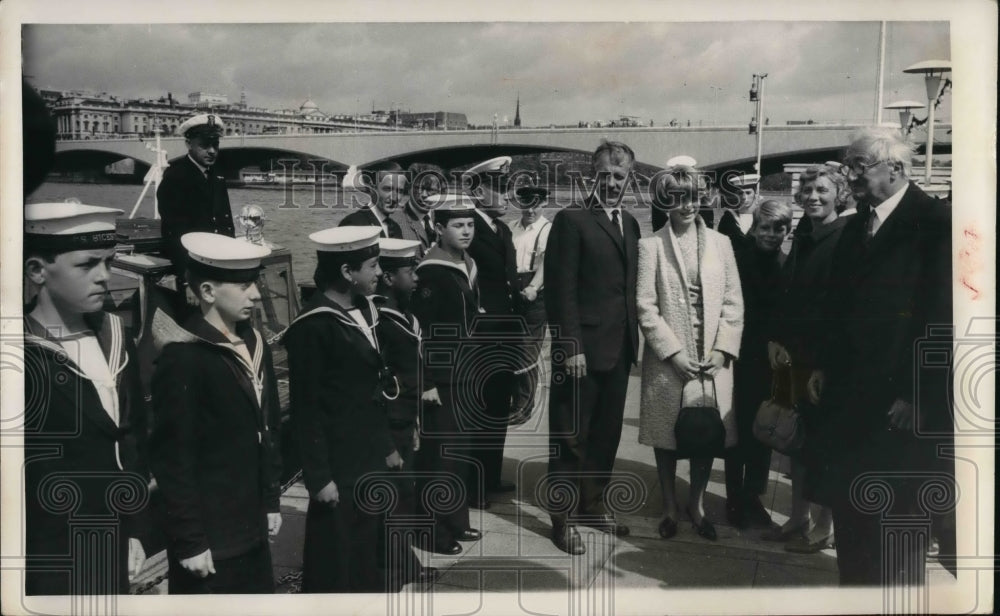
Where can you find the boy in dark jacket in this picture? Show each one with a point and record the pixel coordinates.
(214, 446)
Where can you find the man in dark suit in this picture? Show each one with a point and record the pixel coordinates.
(386, 185)
(590, 272)
(890, 282)
(191, 196)
(493, 250)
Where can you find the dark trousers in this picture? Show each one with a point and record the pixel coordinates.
(444, 467)
(748, 463)
(340, 553)
(526, 383)
(396, 536)
(248, 573)
(489, 426)
(585, 427)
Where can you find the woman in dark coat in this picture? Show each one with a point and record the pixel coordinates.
(759, 262)
(823, 194)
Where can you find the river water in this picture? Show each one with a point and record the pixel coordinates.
(291, 213)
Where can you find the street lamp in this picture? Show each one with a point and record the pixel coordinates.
(905, 115)
(757, 123)
(932, 70)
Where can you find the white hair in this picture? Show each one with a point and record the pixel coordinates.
(880, 144)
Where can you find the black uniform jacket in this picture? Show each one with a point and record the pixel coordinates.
(215, 446)
(77, 461)
(590, 283)
(189, 201)
(494, 254)
(337, 395)
(446, 302)
(365, 217)
(399, 339)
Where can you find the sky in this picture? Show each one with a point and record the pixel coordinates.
(563, 72)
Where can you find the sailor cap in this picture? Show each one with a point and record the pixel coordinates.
(682, 161)
(395, 253)
(500, 165)
(451, 205)
(203, 123)
(223, 258)
(745, 179)
(349, 242)
(65, 227)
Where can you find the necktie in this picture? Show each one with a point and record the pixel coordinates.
(428, 229)
(616, 222)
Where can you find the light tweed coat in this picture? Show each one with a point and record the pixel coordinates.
(662, 302)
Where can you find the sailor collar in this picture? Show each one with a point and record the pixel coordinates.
(108, 328)
(324, 305)
(437, 256)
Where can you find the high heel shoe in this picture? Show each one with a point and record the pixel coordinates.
(704, 528)
(667, 527)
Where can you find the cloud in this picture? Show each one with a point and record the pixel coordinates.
(564, 72)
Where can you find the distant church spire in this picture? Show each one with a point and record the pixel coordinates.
(517, 112)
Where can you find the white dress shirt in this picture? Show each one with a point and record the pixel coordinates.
(883, 210)
(524, 243)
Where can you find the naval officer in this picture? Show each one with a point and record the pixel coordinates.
(192, 196)
(339, 390)
(739, 196)
(215, 449)
(84, 410)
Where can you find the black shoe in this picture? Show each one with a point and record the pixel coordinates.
(735, 515)
(704, 528)
(482, 503)
(604, 522)
(667, 528)
(756, 514)
(453, 549)
(567, 539)
(502, 486)
(469, 534)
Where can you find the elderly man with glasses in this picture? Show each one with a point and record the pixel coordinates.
(887, 405)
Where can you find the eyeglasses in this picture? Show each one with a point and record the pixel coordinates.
(855, 169)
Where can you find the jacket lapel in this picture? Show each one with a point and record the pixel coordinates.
(605, 223)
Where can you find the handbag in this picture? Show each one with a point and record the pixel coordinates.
(778, 423)
(699, 430)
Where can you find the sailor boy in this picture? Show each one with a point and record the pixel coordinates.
(215, 448)
(399, 335)
(83, 412)
(339, 387)
(445, 302)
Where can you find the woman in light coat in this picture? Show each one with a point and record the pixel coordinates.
(691, 314)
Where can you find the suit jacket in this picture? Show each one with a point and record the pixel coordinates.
(446, 302)
(590, 284)
(337, 402)
(496, 259)
(188, 201)
(365, 217)
(78, 462)
(215, 447)
(413, 229)
(883, 297)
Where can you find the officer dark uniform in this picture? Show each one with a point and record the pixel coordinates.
(493, 250)
(446, 300)
(215, 445)
(737, 192)
(399, 336)
(339, 418)
(191, 196)
(84, 480)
